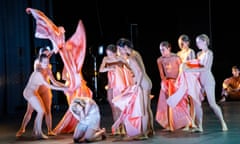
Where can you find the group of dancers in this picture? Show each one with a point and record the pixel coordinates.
(185, 81)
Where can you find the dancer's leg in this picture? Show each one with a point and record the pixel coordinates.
(212, 102)
(25, 121)
(37, 104)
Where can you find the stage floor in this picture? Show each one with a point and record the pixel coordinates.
(212, 129)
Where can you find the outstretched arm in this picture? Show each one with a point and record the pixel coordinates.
(53, 80)
(43, 81)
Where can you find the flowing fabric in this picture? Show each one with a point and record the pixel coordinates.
(130, 103)
(180, 114)
(187, 84)
(116, 80)
(73, 54)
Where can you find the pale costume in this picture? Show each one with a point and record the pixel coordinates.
(31, 94)
(191, 87)
(208, 82)
(86, 111)
(45, 94)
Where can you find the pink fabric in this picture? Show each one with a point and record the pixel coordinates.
(180, 113)
(187, 84)
(132, 111)
(116, 80)
(67, 124)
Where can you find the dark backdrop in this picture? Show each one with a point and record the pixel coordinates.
(147, 23)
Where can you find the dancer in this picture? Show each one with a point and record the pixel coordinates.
(125, 48)
(133, 101)
(186, 54)
(88, 128)
(116, 81)
(205, 58)
(231, 86)
(45, 94)
(31, 94)
(168, 117)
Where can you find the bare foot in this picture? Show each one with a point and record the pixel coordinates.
(186, 128)
(224, 127)
(141, 137)
(51, 133)
(42, 136)
(150, 133)
(39, 136)
(196, 130)
(20, 132)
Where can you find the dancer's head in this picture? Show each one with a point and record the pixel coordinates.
(183, 41)
(165, 48)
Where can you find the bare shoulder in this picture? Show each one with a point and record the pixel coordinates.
(159, 59)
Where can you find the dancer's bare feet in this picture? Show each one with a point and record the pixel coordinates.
(39, 136)
(224, 127)
(104, 136)
(150, 133)
(51, 133)
(42, 136)
(20, 132)
(141, 137)
(197, 129)
(186, 128)
(168, 129)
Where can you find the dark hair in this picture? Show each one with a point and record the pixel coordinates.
(112, 48)
(235, 67)
(124, 42)
(184, 38)
(165, 44)
(42, 56)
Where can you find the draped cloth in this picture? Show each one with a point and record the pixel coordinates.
(131, 105)
(180, 114)
(116, 80)
(187, 84)
(72, 53)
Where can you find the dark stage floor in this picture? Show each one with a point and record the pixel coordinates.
(212, 129)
